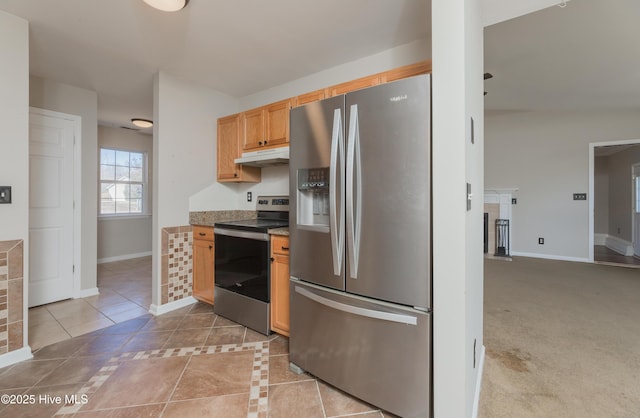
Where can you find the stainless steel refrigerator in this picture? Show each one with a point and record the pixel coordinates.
(360, 243)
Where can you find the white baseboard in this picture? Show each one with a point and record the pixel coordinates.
(124, 257)
(16, 356)
(550, 257)
(476, 399)
(172, 306)
(619, 245)
(85, 293)
(600, 239)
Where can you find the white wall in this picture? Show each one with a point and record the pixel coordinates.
(546, 156)
(457, 286)
(46, 94)
(184, 152)
(14, 126)
(14, 143)
(121, 238)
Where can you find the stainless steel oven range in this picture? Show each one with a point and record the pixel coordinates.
(242, 264)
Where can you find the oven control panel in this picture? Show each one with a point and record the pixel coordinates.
(273, 203)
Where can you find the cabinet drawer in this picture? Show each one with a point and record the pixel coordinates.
(203, 232)
(280, 245)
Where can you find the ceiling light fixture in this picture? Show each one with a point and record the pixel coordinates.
(142, 123)
(168, 5)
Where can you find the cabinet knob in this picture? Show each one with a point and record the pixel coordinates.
(235, 174)
(272, 259)
(265, 142)
(211, 247)
(260, 143)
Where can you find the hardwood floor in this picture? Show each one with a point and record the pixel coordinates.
(604, 255)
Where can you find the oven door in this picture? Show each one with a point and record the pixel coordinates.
(242, 262)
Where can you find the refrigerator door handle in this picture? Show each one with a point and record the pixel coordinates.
(355, 310)
(336, 211)
(354, 192)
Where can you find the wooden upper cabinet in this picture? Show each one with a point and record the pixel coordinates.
(277, 118)
(311, 97)
(253, 129)
(267, 126)
(411, 70)
(229, 149)
(358, 84)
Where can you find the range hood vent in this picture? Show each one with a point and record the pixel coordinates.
(264, 158)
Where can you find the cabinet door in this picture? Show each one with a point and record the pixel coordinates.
(280, 284)
(203, 259)
(277, 120)
(253, 121)
(229, 149)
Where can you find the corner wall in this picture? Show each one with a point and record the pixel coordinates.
(545, 155)
(184, 155)
(14, 172)
(457, 286)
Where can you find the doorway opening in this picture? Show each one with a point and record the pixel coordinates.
(614, 222)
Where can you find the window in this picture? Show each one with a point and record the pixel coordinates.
(122, 182)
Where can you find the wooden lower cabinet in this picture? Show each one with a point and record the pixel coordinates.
(203, 263)
(280, 284)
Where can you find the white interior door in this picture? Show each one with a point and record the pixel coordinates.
(51, 195)
(636, 210)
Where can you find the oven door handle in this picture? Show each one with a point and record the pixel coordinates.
(258, 236)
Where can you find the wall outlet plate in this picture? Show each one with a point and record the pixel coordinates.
(579, 196)
(249, 197)
(541, 241)
(5, 194)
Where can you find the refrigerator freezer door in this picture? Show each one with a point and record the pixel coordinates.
(316, 224)
(375, 351)
(388, 207)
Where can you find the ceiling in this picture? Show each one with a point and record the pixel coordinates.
(583, 55)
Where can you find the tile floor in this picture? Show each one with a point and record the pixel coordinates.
(125, 293)
(187, 363)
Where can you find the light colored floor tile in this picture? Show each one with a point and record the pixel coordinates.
(135, 312)
(39, 315)
(46, 333)
(81, 317)
(90, 326)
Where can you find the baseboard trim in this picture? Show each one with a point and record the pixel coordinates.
(171, 306)
(15, 356)
(619, 245)
(124, 257)
(86, 293)
(476, 399)
(550, 257)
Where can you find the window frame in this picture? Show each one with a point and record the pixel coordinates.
(144, 183)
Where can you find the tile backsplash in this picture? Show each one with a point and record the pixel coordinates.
(177, 263)
(11, 295)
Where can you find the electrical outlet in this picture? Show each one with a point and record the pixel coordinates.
(249, 197)
(5, 194)
(579, 196)
(541, 241)
(514, 201)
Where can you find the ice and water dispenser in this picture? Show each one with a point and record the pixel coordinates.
(313, 199)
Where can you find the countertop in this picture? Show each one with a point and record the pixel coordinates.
(208, 218)
(279, 231)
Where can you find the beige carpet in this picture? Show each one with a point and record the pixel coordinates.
(562, 340)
